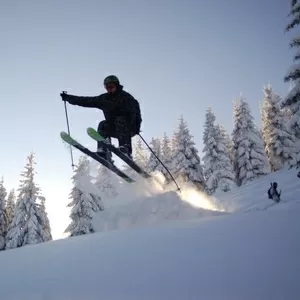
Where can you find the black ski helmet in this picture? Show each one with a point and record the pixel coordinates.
(111, 79)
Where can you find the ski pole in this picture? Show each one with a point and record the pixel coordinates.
(178, 188)
(68, 125)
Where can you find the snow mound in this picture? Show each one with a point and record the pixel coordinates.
(155, 210)
(147, 203)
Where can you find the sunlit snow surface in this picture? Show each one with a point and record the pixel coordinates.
(147, 203)
(199, 254)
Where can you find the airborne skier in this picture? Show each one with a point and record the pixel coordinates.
(121, 111)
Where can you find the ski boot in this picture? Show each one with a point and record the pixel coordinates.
(125, 149)
(105, 154)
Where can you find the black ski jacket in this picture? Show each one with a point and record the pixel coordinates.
(119, 104)
(274, 194)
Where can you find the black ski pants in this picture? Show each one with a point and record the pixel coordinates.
(119, 129)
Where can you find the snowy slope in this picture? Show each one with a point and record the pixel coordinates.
(161, 207)
(242, 256)
(232, 256)
(253, 196)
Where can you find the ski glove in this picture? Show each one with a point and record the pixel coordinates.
(138, 129)
(64, 96)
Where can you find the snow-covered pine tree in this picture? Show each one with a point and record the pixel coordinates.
(166, 156)
(218, 170)
(279, 141)
(292, 101)
(140, 154)
(84, 202)
(250, 160)
(3, 217)
(153, 164)
(43, 218)
(140, 157)
(186, 163)
(260, 134)
(106, 182)
(25, 228)
(209, 137)
(225, 148)
(228, 142)
(10, 206)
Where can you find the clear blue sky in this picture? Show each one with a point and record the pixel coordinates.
(176, 57)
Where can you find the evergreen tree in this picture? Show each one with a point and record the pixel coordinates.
(228, 142)
(250, 161)
(140, 154)
(225, 147)
(186, 163)
(279, 142)
(292, 101)
(218, 170)
(3, 217)
(106, 182)
(153, 163)
(26, 227)
(43, 219)
(166, 156)
(140, 157)
(85, 203)
(10, 206)
(260, 134)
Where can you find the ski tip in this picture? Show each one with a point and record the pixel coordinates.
(90, 130)
(67, 138)
(63, 134)
(94, 134)
(129, 180)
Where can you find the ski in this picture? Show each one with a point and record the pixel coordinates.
(96, 136)
(68, 139)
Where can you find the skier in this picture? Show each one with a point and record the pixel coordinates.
(121, 111)
(273, 193)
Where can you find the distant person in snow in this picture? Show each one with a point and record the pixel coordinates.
(121, 111)
(273, 193)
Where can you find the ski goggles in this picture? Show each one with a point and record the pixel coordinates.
(110, 86)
